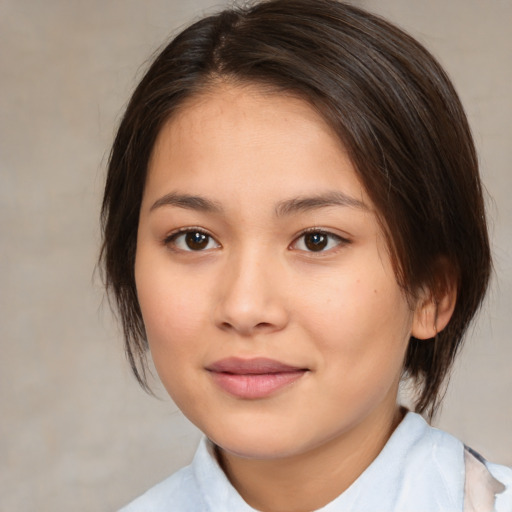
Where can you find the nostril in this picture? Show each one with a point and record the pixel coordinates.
(256, 313)
(247, 329)
(263, 325)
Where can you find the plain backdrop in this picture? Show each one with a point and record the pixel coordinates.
(76, 432)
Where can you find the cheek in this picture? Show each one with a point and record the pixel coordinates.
(364, 352)
(173, 314)
(174, 319)
(362, 323)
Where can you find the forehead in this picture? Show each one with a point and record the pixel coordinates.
(246, 134)
(228, 107)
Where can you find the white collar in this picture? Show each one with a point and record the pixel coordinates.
(420, 468)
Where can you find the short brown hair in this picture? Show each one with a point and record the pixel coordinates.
(395, 111)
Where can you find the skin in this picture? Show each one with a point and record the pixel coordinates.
(257, 290)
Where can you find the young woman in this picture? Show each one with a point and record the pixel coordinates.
(294, 224)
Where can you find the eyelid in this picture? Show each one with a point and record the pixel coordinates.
(171, 237)
(342, 240)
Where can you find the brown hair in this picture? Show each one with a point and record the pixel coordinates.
(395, 111)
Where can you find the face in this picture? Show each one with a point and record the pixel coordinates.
(271, 308)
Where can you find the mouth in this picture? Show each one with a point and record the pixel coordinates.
(253, 378)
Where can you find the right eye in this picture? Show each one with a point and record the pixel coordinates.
(191, 240)
(319, 241)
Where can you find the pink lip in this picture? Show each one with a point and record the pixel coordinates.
(253, 378)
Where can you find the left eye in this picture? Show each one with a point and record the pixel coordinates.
(317, 241)
(192, 240)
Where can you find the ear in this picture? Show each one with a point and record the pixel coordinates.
(434, 310)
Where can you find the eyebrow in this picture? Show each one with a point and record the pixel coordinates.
(283, 208)
(306, 203)
(188, 202)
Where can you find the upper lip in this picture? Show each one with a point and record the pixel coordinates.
(254, 366)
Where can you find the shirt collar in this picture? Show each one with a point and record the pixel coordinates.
(420, 468)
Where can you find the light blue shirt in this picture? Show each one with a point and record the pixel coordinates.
(421, 469)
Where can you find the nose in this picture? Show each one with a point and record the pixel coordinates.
(250, 297)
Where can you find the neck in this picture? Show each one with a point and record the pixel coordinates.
(308, 481)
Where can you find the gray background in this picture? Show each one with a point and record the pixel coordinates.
(76, 433)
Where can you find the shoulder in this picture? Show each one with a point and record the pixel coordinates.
(440, 473)
(458, 472)
(201, 486)
(488, 487)
(178, 492)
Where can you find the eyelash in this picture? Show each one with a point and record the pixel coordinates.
(340, 241)
(170, 240)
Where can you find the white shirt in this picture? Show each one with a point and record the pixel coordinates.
(421, 469)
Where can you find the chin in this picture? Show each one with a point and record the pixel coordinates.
(256, 442)
(263, 449)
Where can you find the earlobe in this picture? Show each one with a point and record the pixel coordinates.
(433, 312)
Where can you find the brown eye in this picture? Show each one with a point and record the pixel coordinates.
(196, 241)
(316, 241)
(191, 240)
(319, 241)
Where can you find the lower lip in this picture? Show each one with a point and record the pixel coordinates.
(255, 386)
